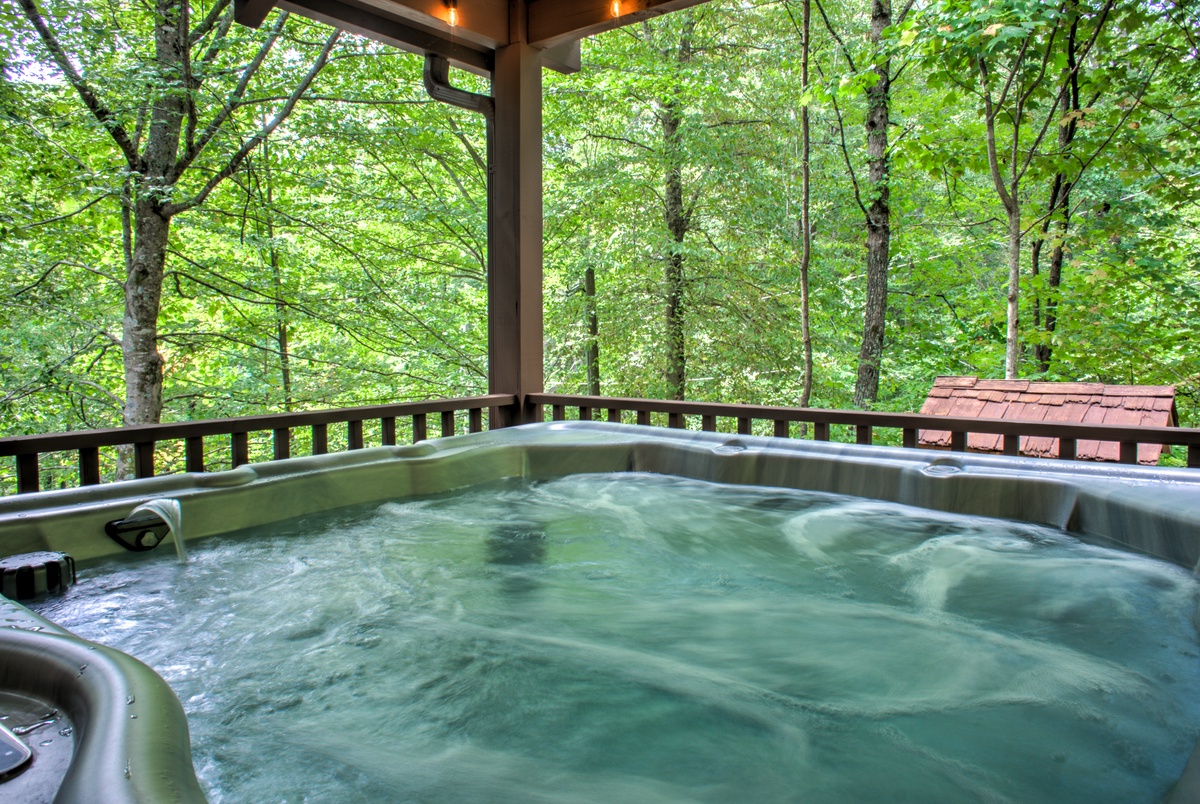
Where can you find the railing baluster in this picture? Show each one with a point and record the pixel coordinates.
(862, 434)
(354, 434)
(708, 423)
(558, 413)
(643, 417)
(1012, 444)
(447, 423)
(193, 454)
(585, 413)
(1193, 460)
(675, 421)
(475, 420)
(1066, 449)
(143, 459)
(27, 473)
(958, 441)
(744, 423)
(89, 466)
(281, 443)
(909, 438)
(614, 415)
(420, 429)
(1129, 452)
(781, 428)
(320, 438)
(821, 431)
(241, 449)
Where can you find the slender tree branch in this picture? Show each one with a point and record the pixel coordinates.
(236, 160)
(98, 109)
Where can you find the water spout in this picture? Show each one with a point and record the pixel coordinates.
(143, 529)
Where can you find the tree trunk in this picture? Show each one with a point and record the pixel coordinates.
(805, 209)
(1012, 346)
(151, 227)
(592, 356)
(678, 219)
(879, 231)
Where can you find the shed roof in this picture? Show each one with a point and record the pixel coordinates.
(1067, 402)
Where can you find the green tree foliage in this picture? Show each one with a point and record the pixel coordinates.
(342, 260)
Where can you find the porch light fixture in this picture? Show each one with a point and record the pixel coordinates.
(616, 8)
(452, 13)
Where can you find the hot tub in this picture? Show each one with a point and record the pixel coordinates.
(145, 758)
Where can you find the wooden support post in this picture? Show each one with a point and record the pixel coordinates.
(1012, 444)
(281, 443)
(862, 434)
(614, 415)
(1129, 451)
(675, 421)
(89, 466)
(1193, 459)
(27, 474)
(475, 420)
(744, 423)
(447, 423)
(558, 413)
(320, 435)
(585, 413)
(821, 431)
(240, 443)
(643, 417)
(909, 438)
(515, 222)
(782, 428)
(420, 430)
(958, 441)
(708, 423)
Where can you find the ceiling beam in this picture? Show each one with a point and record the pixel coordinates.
(552, 22)
(408, 36)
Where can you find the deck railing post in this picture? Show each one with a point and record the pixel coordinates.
(958, 441)
(1066, 449)
(782, 428)
(743, 425)
(143, 459)
(862, 434)
(320, 439)
(821, 431)
(708, 423)
(193, 454)
(354, 434)
(1012, 444)
(420, 431)
(447, 423)
(27, 473)
(240, 443)
(1129, 452)
(89, 466)
(281, 443)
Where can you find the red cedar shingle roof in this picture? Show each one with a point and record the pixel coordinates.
(1072, 402)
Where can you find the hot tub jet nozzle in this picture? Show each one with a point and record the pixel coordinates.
(140, 534)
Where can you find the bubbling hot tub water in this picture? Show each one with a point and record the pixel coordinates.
(640, 637)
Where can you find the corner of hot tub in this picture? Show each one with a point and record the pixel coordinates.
(131, 735)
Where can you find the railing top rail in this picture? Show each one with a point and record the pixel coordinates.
(116, 436)
(916, 421)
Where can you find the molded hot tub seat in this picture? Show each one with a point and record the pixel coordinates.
(147, 758)
(130, 733)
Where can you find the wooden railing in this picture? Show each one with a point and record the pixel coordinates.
(146, 441)
(865, 424)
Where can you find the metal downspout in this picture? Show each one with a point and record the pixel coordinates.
(437, 84)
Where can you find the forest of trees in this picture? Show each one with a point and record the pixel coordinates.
(778, 201)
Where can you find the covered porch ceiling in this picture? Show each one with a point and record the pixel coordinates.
(469, 32)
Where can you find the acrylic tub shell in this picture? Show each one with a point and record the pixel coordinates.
(1145, 509)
